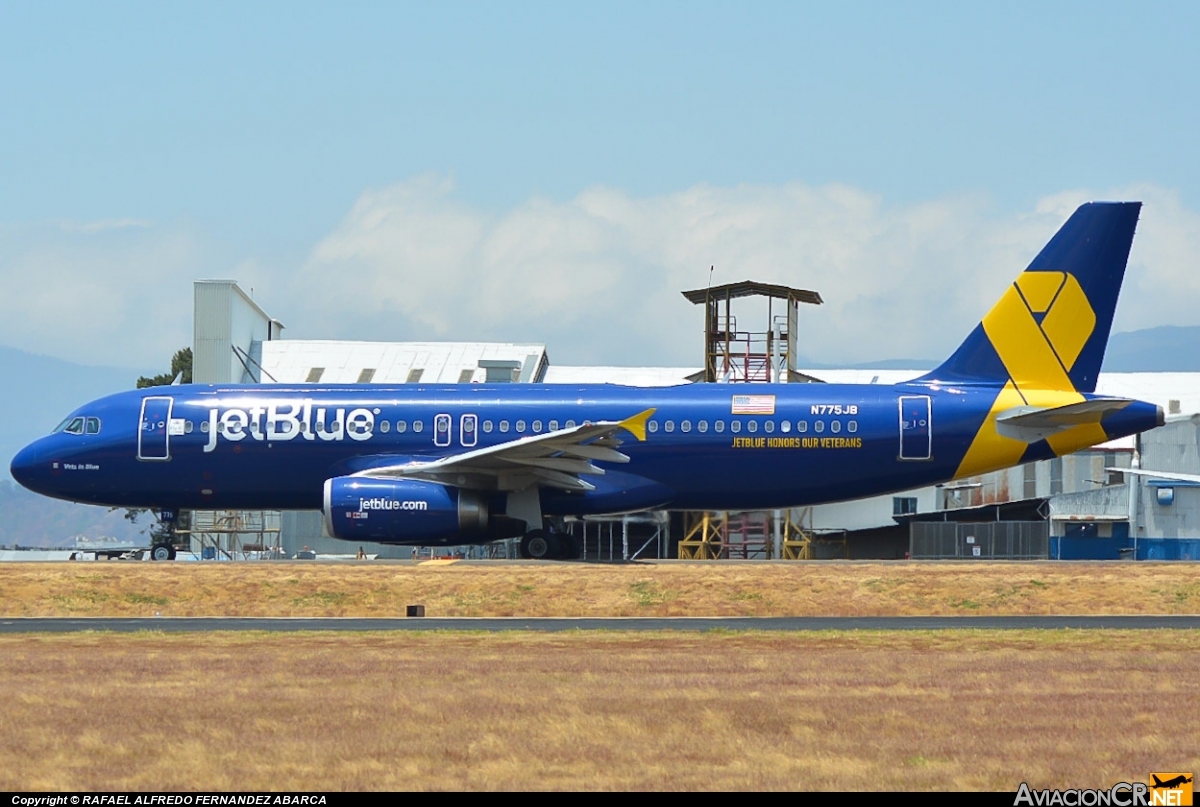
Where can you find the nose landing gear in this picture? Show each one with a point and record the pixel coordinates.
(163, 551)
(164, 546)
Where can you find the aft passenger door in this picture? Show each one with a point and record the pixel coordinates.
(916, 427)
(154, 435)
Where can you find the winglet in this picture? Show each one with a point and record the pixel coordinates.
(636, 425)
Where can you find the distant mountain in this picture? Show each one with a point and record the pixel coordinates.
(36, 393)
(30, 520)
(1165, 349)
(885, 364)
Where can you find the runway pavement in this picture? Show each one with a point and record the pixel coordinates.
(550, 624)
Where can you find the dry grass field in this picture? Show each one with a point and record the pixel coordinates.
(651, 589)
(861, 711)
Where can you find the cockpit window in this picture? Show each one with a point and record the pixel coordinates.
(93, 425)
(75, 426)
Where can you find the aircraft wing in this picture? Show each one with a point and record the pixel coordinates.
(1032, 423)
(556, 459)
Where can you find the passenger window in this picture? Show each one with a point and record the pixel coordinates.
(570, 424)
(752, 426)
(685, 426)
(719, 426)
(702, 426)
(554, 425)
(653, 425)
(819, 426)
(504, 426)
(520, 427)
(852, 426)
(418, 425)
(835, 426)
(769, 426)
(204, 426)
(669, 426)
(735, 426)
(383, 427)
(537, 426)
(802, 426)
(785, 426)
(487, 426)
(93, 425)
(401, 426)
(187, 427)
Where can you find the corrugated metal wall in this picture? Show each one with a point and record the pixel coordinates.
(212, 344)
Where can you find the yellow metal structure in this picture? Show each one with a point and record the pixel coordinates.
(714, 536)
(704, 536)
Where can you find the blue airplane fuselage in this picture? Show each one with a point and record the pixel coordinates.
(273, 446)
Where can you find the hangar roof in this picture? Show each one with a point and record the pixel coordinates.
(296, 361)
(630, 376)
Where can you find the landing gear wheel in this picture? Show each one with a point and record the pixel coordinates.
(539, 545)
(162, 552)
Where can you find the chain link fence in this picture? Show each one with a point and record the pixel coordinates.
(998, 540)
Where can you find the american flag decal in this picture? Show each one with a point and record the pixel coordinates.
(753, 404)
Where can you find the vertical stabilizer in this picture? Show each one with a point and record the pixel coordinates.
(1050, 328)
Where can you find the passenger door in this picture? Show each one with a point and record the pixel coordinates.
(916, 427)
(153, 435)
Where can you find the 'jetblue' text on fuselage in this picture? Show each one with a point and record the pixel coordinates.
(286, 420)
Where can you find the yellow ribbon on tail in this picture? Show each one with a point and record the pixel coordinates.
(1038, 358)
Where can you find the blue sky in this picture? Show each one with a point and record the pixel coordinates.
(251, 139)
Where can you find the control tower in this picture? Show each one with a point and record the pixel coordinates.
(736, 354)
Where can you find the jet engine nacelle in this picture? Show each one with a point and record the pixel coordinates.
(404, 511)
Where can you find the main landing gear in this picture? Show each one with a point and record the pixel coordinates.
(549, 545)
(164, 548)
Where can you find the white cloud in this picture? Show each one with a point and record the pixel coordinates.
(597, 278)
(1162, 281)
(98, 294)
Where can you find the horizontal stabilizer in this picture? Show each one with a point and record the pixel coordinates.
(1171, 475)
(1032, 423)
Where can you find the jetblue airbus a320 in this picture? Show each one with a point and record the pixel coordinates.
(472, 463)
